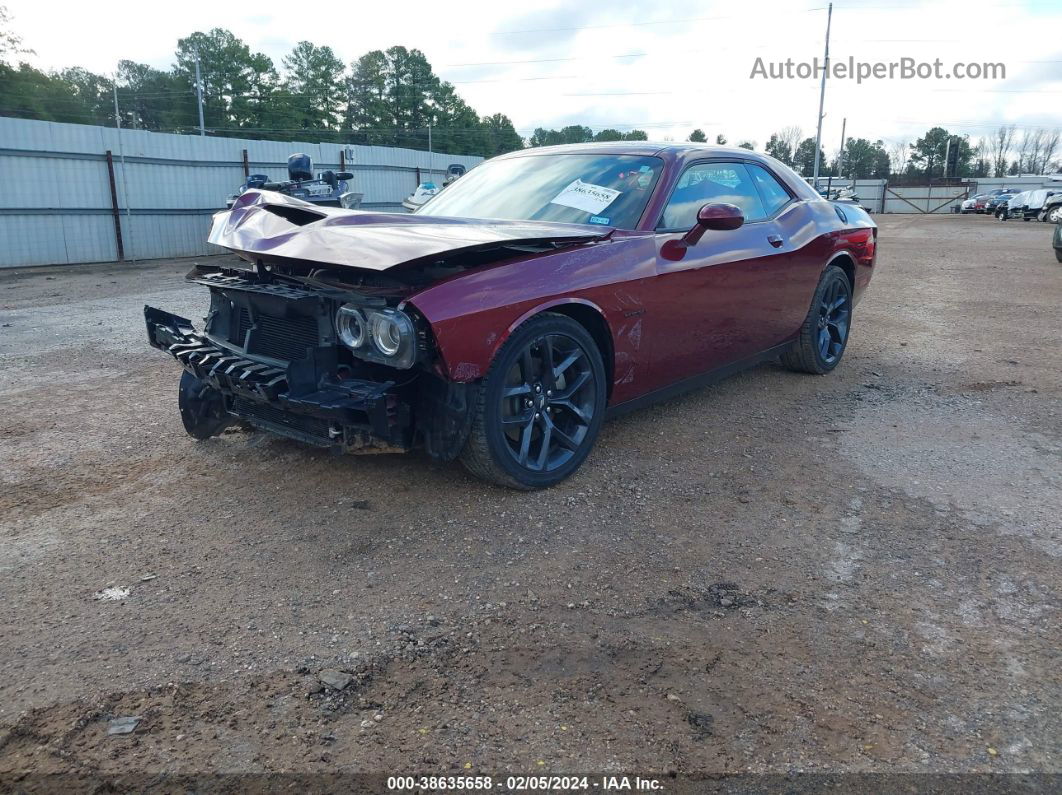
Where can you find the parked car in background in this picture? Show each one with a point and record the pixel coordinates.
(1052, 209)
(996, 198)
(501, 321)
(1013, 207)
(974, 204)
(1056, 241)
(1034, 203)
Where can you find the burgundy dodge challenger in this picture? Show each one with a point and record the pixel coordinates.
(504, 320)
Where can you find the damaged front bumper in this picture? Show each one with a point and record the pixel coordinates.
(347, 415)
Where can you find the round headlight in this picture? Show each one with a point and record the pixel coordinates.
(387, 333)
(351, 326)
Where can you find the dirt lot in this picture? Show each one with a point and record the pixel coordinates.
(858, 572)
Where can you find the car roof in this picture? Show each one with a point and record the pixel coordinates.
(639, 148)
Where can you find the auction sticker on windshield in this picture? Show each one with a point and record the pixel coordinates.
(586, 197)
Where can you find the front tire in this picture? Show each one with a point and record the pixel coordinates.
(540, 406)
(824, 335)
(202, 408)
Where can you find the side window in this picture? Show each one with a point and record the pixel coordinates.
(775, 197)
(711, 182)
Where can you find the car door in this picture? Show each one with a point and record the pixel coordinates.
(719, 303)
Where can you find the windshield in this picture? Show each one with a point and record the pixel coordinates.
(611, 190)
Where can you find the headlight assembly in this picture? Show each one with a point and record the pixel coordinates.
(386, 336)
(351, 326)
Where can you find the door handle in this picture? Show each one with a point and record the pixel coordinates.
(775, 240)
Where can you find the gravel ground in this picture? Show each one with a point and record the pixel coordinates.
(779, 573)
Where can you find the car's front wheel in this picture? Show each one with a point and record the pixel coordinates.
(824, 335)
(540, 406)
(202, 408)
(1054, 215)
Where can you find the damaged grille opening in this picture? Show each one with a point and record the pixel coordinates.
(284, 338)
(264, 412)
(240, 326)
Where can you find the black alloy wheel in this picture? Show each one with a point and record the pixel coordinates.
(823, 336)
(540, 407)
(548, 402)
(835, 310)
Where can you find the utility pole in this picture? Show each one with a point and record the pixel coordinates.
(199, 94)
(822, 95)
(431, 157)
(840, 158)
(125, 183)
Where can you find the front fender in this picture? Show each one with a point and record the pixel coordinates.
(472, 315)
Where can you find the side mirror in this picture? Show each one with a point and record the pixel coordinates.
(344, 175)
(718, 216)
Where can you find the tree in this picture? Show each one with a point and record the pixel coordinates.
(635, 135)
(899, 154)
(237, 83)
(28, 93)
(459, 128)
(864, 160)
(1037, 150)
(10, 42)
(779, 149)
(697, 136)
(609, 135)
(720, 140)
(1051, 141)
(927, 154)
(313, 81)
(750, 145)
(151, 99)
(1001, 144)
(393, 96)
(369, 113)
(501, 136)
(804, 157)
(982, 166)
(572, 134)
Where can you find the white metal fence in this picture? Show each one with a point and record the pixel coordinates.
(58, 199)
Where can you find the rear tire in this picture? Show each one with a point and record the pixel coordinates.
(824, 334)
(533, 425)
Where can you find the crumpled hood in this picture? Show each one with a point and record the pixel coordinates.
(269, 224)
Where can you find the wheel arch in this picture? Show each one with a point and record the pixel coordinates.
(846, 262)
(588, 315)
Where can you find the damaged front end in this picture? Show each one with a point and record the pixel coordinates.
(280, 354)
(314, 339)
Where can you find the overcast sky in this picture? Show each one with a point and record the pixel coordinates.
(665, 67)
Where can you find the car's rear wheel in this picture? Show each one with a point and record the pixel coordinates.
(540, 406)
(1054, 215)
(824, 334)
